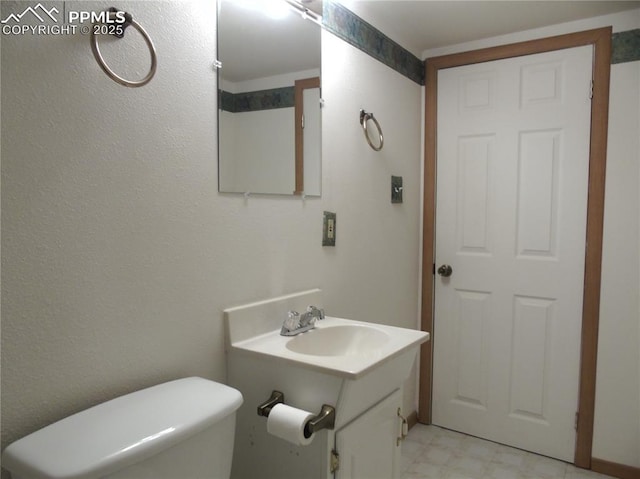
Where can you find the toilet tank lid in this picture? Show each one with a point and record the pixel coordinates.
(121, 432)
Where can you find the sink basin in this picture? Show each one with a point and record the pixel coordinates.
(344, 340)
(338, 346)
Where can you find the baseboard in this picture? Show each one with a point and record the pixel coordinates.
(614, 469)
(412, 419)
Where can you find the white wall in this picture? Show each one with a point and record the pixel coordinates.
(372, 274)
(616, 437)
(119, 255)
(617, 414)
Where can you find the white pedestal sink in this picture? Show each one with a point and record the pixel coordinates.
(354, 366)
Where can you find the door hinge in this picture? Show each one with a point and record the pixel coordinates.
(335, 461)
(302, 122)
(591, 91)
(576, 425)
(433, 272)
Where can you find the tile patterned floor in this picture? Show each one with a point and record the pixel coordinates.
(433, 452)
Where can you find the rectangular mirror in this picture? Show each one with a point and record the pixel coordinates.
(269, 122)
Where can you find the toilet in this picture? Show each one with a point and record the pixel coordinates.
(180, 429)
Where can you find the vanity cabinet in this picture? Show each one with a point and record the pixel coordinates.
(363, 444)
(370, 445)
(357, 368)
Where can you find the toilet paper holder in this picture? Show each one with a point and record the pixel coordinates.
(265, 408)
(326, 419)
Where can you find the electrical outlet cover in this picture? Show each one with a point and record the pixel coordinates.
(329, 229)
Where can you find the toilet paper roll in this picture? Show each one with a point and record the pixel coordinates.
(288, 423)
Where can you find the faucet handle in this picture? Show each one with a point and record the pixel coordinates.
(292, 321)
(315, 311)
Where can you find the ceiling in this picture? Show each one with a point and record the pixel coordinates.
(252, 45)
(423, 25)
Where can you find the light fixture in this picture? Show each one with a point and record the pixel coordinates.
(279, 9)
(304, 11)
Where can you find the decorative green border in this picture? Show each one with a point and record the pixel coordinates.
(352, 29)
(346, 25)
(257, 100)
(625, 46)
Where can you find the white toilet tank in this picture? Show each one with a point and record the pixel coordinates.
(182, 429)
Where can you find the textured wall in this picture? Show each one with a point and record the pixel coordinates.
(371, 231)
(119, 254)
(372, 274)
(617, 436)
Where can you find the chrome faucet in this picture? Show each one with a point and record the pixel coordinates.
(312, 314)
(296, 323)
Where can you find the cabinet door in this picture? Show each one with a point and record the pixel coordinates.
(368, 447)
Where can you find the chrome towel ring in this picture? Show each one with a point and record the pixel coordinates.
(98, 56)
(364, 118)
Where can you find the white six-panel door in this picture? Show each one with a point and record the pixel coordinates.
(512, 170)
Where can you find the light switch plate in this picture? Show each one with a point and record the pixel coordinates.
(329, 229)
(396, 189)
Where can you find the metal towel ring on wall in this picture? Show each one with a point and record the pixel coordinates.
(364, 118)
(98, 56)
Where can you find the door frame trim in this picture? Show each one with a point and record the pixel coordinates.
(299, 87)
(601, 40)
